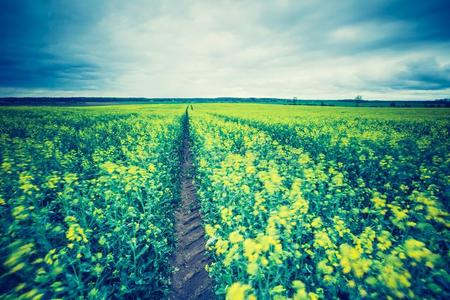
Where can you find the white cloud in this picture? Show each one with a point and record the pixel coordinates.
(246, 49)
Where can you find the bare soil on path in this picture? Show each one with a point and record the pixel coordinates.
(190, 279)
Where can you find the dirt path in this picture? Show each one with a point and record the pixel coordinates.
(190, 279)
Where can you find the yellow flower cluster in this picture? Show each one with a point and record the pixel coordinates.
(76, 234)
(86, 195)
(350, 207)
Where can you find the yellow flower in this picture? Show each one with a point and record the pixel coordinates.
(321, 239)
(378, 202)
(313, 296)
(300, 290)
(237, 291)
(25, 183)
(416, 250)
(20, 252)
(52, 181)
(351, 260)
(70, 219)
(226, 214)
(221, 246)
(324, 268)
(266, 241)
(252, 268)
(210, 231)
(20, 287)
(264, 261)
(19, 212)
(362, 292)
(384, 240)
(351, 283)
(298, 284)
(17, 267)
(251, 297)
(301, 205)
(32, 294)
(6, 166)
(251, 250)
(246, 189)
(278, 289)
(304, 159)
(316, 223)
(250, 169)
(235, 237)
(109, 167)
(76, 233)
(338, 179)
(70, 178)
(394, 276)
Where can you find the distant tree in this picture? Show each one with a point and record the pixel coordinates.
(358, 98)
(295, 100)
(322, 103)
(393, 104)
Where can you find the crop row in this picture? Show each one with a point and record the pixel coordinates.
(324, 208)
(86, 203)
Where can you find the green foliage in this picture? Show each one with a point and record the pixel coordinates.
(298, 202)
(86, 201)
(324, 202)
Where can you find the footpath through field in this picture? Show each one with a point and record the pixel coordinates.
(190, 279)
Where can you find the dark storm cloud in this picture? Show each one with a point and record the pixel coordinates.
(34, 36)
(423, 75)
(430, 20)
(45, 70)
(311, 22)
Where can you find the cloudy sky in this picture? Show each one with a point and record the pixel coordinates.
(308, 49)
